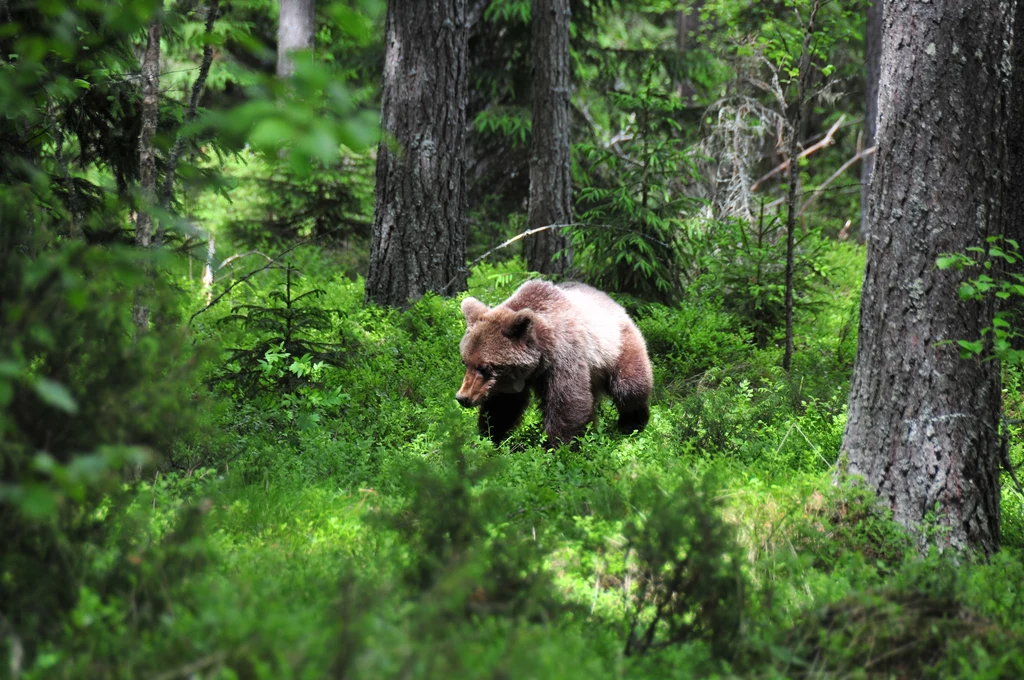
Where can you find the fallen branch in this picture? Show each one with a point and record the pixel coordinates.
(825, 141)
(536, 230)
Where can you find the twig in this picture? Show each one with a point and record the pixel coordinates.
(863, 153)
(237, 256)
(17, 651)
(193, 667)
(193, 105)
(528, 232)
(826, 141)
(271, 263)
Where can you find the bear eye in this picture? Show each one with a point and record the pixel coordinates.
(485, 372)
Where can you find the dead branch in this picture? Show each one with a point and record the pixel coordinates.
(271, 263)
(528, 232)
(826, 141)
(863, 153)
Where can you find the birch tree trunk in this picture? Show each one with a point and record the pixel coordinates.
(923, 423)
(419, 232)
(550, 159)
(296, 26)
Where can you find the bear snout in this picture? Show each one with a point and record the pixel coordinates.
(464, 401)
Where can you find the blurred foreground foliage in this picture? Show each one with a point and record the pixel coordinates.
(272, 480)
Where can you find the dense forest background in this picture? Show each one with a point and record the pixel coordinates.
(234, 236)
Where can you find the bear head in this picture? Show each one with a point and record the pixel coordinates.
(500, 351)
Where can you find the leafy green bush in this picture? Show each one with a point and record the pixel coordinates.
(690, 586)
(81, 398)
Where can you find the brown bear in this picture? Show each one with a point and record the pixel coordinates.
(570, 344)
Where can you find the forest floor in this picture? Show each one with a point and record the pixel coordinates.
(354, 525)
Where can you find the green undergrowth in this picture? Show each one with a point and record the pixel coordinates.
(340, 517)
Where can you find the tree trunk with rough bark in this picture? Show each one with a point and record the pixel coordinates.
(872, 63)
(1015, 153)
(419, 232)
(296, 25)
(147, 157)
(550, 160)
(923, 423)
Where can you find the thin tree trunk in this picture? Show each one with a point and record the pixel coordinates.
(923, 423)
(550, 158)
(419, 232)
(147, 157)
(872, 62)
(796, 112)
(687, 21)
(190, 114)
(295, 30)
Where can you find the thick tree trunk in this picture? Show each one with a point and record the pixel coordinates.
(550, 160)
(923, 423)
(419, 232)
(872, 63)
(1015, 161)
(296, 25)
(147, 156)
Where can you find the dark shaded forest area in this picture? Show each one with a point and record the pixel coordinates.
(241, 242)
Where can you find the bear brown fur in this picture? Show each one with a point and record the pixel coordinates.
(569, 344)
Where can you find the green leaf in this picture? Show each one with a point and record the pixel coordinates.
(971, 347)
(55, 394)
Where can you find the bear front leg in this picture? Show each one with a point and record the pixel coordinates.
(568, 404)
(500, 414)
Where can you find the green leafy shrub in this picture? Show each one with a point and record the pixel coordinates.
(633, 236)
(921, 625)
(689, 584)
(744, 265)
(284, 355)
(80, 398)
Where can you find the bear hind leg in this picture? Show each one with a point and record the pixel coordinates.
(500, 414)
(630, 386)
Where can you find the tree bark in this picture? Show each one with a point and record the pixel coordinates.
(922, 424)
(1015, 160)
(687, 22)
(419, 232)
(550, 152)
(296, 25)
(147, 157)
(872, 63)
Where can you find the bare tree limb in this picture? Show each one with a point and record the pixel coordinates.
(826, 141)
(272, 262)
(863, 153)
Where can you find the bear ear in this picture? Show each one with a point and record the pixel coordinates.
(518, 325)
(473, 309)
